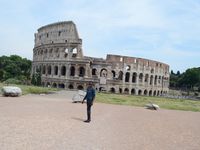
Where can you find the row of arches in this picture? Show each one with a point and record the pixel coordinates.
(63, 86)
(139, 92)
(134, 77)
(62, 70)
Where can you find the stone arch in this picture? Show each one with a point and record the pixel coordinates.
(151, 80)
(74, 52)
(112, 90)
(71, 86)
(139, 92)
(103, 73)
(133, 91)
(72, 71)
(120, 90)
(145, 92)
(140, 77)
(154, 93)
(63, 70)
(127, 77)
(150, 93)
(128, 68)
(120, 77)
(44, 70)
(94, 71)
(48, 84)
(80, 87)
(159, 79)
(55, 70)
(126, 91)
(134, 78)
(61, 85)
(54, 85)
(158, 93)
(81, 71)
(155, 80)
(49, 70)
(113, 74)
(146, 78)
(102, 89)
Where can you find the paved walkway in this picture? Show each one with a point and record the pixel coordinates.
(53, 122)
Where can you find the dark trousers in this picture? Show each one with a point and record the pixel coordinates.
(89, 105)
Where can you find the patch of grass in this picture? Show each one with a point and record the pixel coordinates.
(31, 89)
(141, 101)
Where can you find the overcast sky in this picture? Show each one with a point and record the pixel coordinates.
(166, 31)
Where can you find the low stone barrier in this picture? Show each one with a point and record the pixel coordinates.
(11, 91)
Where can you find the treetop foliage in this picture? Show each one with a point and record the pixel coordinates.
(187, 80)
(14, 67)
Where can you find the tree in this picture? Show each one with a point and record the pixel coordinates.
(14, 67)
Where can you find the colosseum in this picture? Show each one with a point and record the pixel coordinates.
(58, 56)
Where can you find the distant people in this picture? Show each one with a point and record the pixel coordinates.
(89, 97)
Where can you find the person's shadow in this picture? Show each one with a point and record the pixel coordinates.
(78, 119)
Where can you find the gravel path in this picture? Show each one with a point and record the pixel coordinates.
(53, 122)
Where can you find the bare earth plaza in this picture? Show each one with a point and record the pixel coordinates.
(53, 122)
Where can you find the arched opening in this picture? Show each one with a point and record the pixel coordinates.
(133, 91)
(56, 70)
(154, 93)
(49, 70)
(80, 87)
(54, 85)
(63, 70)
(103, 73)
(151, 79)
(120, 77)
(134, 77)
(71, 86)
(112, 90)
(62, 86)
(48, 84)
(150, 93)
(140, 77)
(81, 72)
(72, 71)
(66, 52)
(74, 53)
(158, 93)
(145, 92)
(139, 92)
(120, 90)
(113, 74)
(94, 71)
(127, 77)
(43, 70)
(102, 89)
(155, 81)
(146, 78)
(159, 79)
(126, 91)
(128, 68)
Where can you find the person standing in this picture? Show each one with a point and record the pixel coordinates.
(89, 97)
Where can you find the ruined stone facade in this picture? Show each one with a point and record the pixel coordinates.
(58, 55)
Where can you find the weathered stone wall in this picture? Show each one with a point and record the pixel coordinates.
(58, 55)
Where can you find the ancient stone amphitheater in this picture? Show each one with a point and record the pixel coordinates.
(58, 55)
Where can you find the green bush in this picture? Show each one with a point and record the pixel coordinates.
(12, 81)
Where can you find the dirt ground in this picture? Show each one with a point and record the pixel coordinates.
(53, 122)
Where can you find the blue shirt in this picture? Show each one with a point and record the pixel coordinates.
(90, 95)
